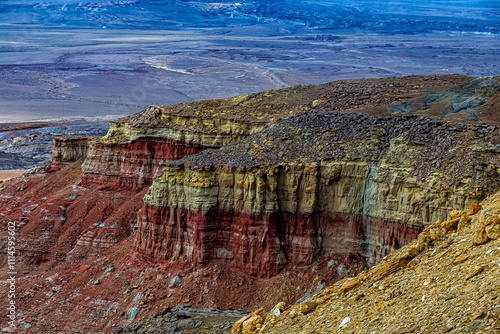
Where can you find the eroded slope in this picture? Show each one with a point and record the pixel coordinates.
(277, 212)
(444, 282)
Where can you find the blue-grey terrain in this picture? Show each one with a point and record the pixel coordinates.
(97, 60)
(23, 149)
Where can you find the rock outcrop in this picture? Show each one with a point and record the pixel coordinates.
(130, 154)
(471, 102)
(445, 281)
(195, 203)
(131, 165)
(184, 319)
(315, 185)
(67, 149)
(26, 146)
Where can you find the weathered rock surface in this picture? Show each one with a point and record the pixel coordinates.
(448, 285)
(185, 319)
(67, 149)
(131, 165)
(471, 102)
(314, 185)
(58, 220)
(129, 155)
(298, 194)
(26, 146)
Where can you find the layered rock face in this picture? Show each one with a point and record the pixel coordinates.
(445, 281)
(131, 165)
(129, 155)
(315, 185)
(281, 185)
(360, 196)
(67, 149)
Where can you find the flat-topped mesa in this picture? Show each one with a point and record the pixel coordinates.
(215, 123)
(315, 185)
(129, 155)
(67, 149)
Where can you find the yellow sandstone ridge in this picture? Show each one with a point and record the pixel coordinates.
(382, 191)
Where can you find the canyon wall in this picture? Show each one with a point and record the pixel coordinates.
(344, 183)
(262, 220)
(131, 165)
(214, 194)
(129, 156)
(268, 191)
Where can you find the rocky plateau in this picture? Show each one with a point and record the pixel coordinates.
(259, 199)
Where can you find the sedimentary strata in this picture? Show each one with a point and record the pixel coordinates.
(130, 154)
(131, 165)
(445, 281)
(314, 185)
(67, 149)
(275, 185)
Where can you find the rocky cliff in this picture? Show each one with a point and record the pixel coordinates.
(446, 281)
(130, 154)
(273, 192)
(315, 185)
(131, 165)
(25, 146)
(67, 149)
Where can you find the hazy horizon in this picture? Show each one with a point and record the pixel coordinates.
(99, 60)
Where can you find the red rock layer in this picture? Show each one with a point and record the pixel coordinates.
(262, 245)
(132, 165)
(59, 221)
(74, 209)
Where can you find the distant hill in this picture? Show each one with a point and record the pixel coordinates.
(394, 17)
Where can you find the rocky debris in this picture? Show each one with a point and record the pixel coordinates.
(133, 313)
(442, 282)
(378, 179)
(109, 269)
(184, 319)
(470, 102)
(421, 145)
(268, 106)
(176, 281)
(324, 135)
(275, 312)
(214, 123)
(487, 227)
(250, 323)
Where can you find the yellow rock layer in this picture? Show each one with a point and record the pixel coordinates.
(359, 188)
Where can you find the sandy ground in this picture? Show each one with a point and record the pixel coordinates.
(9, 174)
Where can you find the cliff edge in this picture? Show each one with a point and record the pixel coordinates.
(446, 281)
